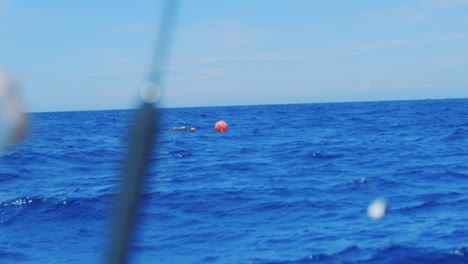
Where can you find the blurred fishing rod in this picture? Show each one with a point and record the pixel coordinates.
(142, 135)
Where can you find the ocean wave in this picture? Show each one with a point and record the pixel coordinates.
(390, 254)
(59, 209)
(460, 134)
(285, 184)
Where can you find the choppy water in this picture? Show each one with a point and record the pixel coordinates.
(285, 184)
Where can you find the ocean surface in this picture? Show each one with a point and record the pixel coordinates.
(285, 184)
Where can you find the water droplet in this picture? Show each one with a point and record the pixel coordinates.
(377, 209)
(150, 92)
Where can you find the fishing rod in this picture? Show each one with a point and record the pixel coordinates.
(142, 136)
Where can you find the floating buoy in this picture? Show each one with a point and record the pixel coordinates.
(221, 126)
(183, 128)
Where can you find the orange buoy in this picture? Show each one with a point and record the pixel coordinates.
(193, 129)
(221, 126)
(183, 128)
(174, 128)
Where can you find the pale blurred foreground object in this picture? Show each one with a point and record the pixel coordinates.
(377, 209)
(12, 118)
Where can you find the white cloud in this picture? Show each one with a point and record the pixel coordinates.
(395, 43)
(3, 5)
(365, 87)
(318, 55)
(421, 11)
(245, 58)
(115, 71)
(203, 74)
(218, 36)
(380, 45)
(215, 23)
(391, 86)
(399, 86)
(239, 38)
(445, 4)
(228, 30)
(134, 27)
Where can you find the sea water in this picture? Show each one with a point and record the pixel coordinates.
(285, 184)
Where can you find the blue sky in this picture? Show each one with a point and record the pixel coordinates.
(83, 55)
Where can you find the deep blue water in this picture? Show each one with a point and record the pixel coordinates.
(285, 184)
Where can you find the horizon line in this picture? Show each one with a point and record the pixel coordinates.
(260, 104)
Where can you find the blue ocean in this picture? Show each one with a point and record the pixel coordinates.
(285, 184)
